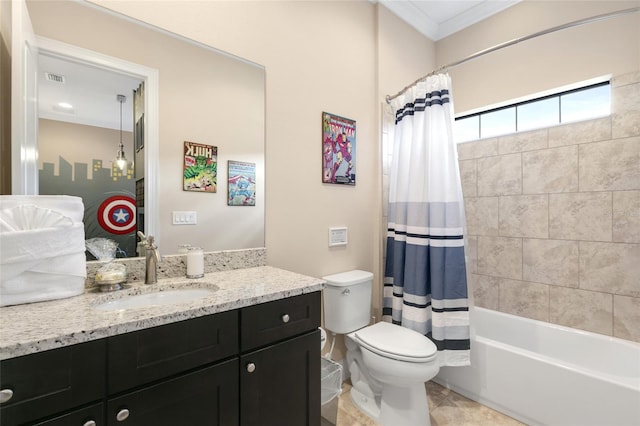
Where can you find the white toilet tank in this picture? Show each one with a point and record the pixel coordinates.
(347, 301)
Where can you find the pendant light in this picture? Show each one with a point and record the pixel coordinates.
(121, 159)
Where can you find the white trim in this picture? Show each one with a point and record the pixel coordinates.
(151, 131)
(24, 110)
(104, 9)
(472, 16)
(550, 92)
(424, 24)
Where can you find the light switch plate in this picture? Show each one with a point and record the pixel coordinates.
(338, 236)
(185, 218)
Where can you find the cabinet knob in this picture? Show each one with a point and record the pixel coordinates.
(5, 395)
(122, 415)
(90, 423)
(285, 318)
(251, 367)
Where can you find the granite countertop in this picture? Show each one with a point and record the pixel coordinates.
(35, 327)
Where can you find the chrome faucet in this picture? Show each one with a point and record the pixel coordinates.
(152, 258)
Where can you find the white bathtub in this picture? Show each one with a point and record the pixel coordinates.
(546, 374)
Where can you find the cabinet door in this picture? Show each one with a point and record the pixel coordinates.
(89, 416)
(280, 384)
(53, 381)
(144, 356)
(204, 397)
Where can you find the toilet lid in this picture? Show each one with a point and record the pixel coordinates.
(394, 341)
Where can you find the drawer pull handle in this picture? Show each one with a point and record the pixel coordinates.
(122, 415)
(5, 395)
(285, 318)
(90, 423)
(251, 367)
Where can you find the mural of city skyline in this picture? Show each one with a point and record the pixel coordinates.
(109, 212)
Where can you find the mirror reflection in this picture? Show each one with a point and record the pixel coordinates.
(82, 128)
(205, 97)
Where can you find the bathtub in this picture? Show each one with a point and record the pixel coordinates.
(546, 374)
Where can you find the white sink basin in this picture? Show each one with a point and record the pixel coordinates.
(159, 298)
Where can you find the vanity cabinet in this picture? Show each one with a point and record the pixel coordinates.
(258, 365)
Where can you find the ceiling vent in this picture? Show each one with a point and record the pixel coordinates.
(55, 78)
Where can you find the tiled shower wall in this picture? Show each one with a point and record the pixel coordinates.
(553, 218)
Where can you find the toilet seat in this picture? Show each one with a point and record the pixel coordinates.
(396, 342)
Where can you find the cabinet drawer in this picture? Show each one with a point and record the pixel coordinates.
(274, 321)
(89, 416)
(208, 396)
(52, 381)
(151, 354)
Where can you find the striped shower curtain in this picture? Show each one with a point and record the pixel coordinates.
(425, 285)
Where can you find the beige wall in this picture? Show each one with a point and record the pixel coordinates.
(552, 216)
(610, 47)
(79, 143)
(318, 56)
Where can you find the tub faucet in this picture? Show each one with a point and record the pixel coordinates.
(152, 258)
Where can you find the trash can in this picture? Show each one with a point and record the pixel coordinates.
(331, 387)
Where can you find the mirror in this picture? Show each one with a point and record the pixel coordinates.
(203, 96)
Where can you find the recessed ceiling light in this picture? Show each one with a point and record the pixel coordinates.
(65, 105)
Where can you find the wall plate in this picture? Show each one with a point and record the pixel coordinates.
(185, 218)
(338, 236)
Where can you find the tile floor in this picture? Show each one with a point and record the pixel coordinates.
(446, 408)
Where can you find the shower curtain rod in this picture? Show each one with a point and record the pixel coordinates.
(516, 41)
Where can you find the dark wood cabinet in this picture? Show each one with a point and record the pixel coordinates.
(88, 416)
(280, 384)
(192, 372)
(280, 362)
(156, 353)
(207, 396)
(270, 322)
(51, 382)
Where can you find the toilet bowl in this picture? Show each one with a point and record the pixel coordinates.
(400, 361)
(388, 364)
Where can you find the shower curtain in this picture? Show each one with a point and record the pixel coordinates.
(425, 286)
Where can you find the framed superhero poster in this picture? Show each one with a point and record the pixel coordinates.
(338, 150)
(242, 184)
(200, 167)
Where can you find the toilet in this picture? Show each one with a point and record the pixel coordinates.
(389, 364)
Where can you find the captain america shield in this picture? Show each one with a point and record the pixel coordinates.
(117, 215)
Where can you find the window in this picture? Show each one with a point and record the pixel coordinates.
(538, 114)
(583, 103)
(496, 123)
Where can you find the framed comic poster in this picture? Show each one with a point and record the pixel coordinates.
(200, 167)
(242, 184)
(338, 149)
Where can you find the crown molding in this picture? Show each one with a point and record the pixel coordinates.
(412, 13)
